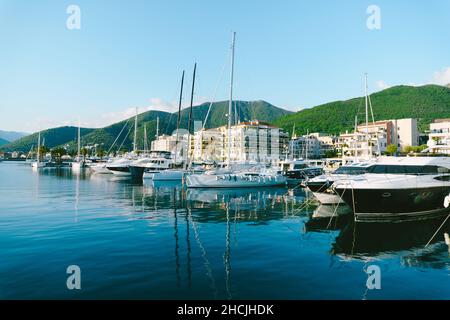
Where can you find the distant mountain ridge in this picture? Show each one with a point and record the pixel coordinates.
(3, 141)
(247, 110)
(11, 136)
(424, 103)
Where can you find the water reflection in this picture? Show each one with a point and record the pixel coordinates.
(362, 240)
(260, 207)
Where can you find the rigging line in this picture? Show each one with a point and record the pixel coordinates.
(445, 220)
(109, 150)
(215, 92)
(335, 210)
(126, 136)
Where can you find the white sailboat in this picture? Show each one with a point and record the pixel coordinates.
(258, 176)
(79, 164)
(121, 167)
(38, 163)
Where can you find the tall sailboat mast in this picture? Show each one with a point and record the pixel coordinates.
(157, 127)
(178, 119)
(39, 147)
(79, 142)
(369, 151)
(190, 120)
(145, 138)
(230, 103)
(135, 131)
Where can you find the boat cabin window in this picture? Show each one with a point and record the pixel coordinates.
(300, 166)
(351, 170)
(404, 169)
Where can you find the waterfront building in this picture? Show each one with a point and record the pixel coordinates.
(375, 138)
(306, 147)
(251, 141)
(439, 136)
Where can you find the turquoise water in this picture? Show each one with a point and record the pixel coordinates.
(162, 242)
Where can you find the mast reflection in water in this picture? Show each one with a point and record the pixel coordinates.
(160, 241)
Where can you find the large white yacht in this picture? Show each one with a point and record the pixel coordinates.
(320, 186)
(255, 177)
(121, 166)
(298, 170)
(399, 189)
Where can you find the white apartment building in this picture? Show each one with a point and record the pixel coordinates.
(252, 141)
(374, 138)
(168, 143)
(306, 147)
(406, 132)
(439, 136)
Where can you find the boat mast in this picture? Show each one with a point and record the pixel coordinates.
(188, 159)
(369, 151)
(135, 131)
(157, 127)
(355, 138)
(79, 143)
(39, 147)
(178, 119)
(145, 138)
(230, 103)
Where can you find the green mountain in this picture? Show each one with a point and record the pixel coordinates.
(105, 137)
(12, 135)
(253, 110)
(51, 138)
(3, 142)
(424, 103)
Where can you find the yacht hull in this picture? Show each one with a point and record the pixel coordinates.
(100, 169)
(136, 172)
(396, 204)
(164, 175)
(229, 181)
(327, 198)
(120, 171)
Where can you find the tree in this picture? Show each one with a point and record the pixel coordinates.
(331, 153)
(100, 153)
(391, 149)
(408, 149)
(84, 153)
(57, 153)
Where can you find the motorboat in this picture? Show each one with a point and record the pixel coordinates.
(258, 177)
(399, 189)
(297, 171)
(320, 186)
(120, 167)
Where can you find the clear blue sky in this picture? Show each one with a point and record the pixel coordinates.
(131, 53)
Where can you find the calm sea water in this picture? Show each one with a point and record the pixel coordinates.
(162, 242)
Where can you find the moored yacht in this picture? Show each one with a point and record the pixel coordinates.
(38, 163)
(399, 189)
(156, 161)
(320, 186)
(120, 167)
(297, 171)
(253, 178)
(79, 163)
